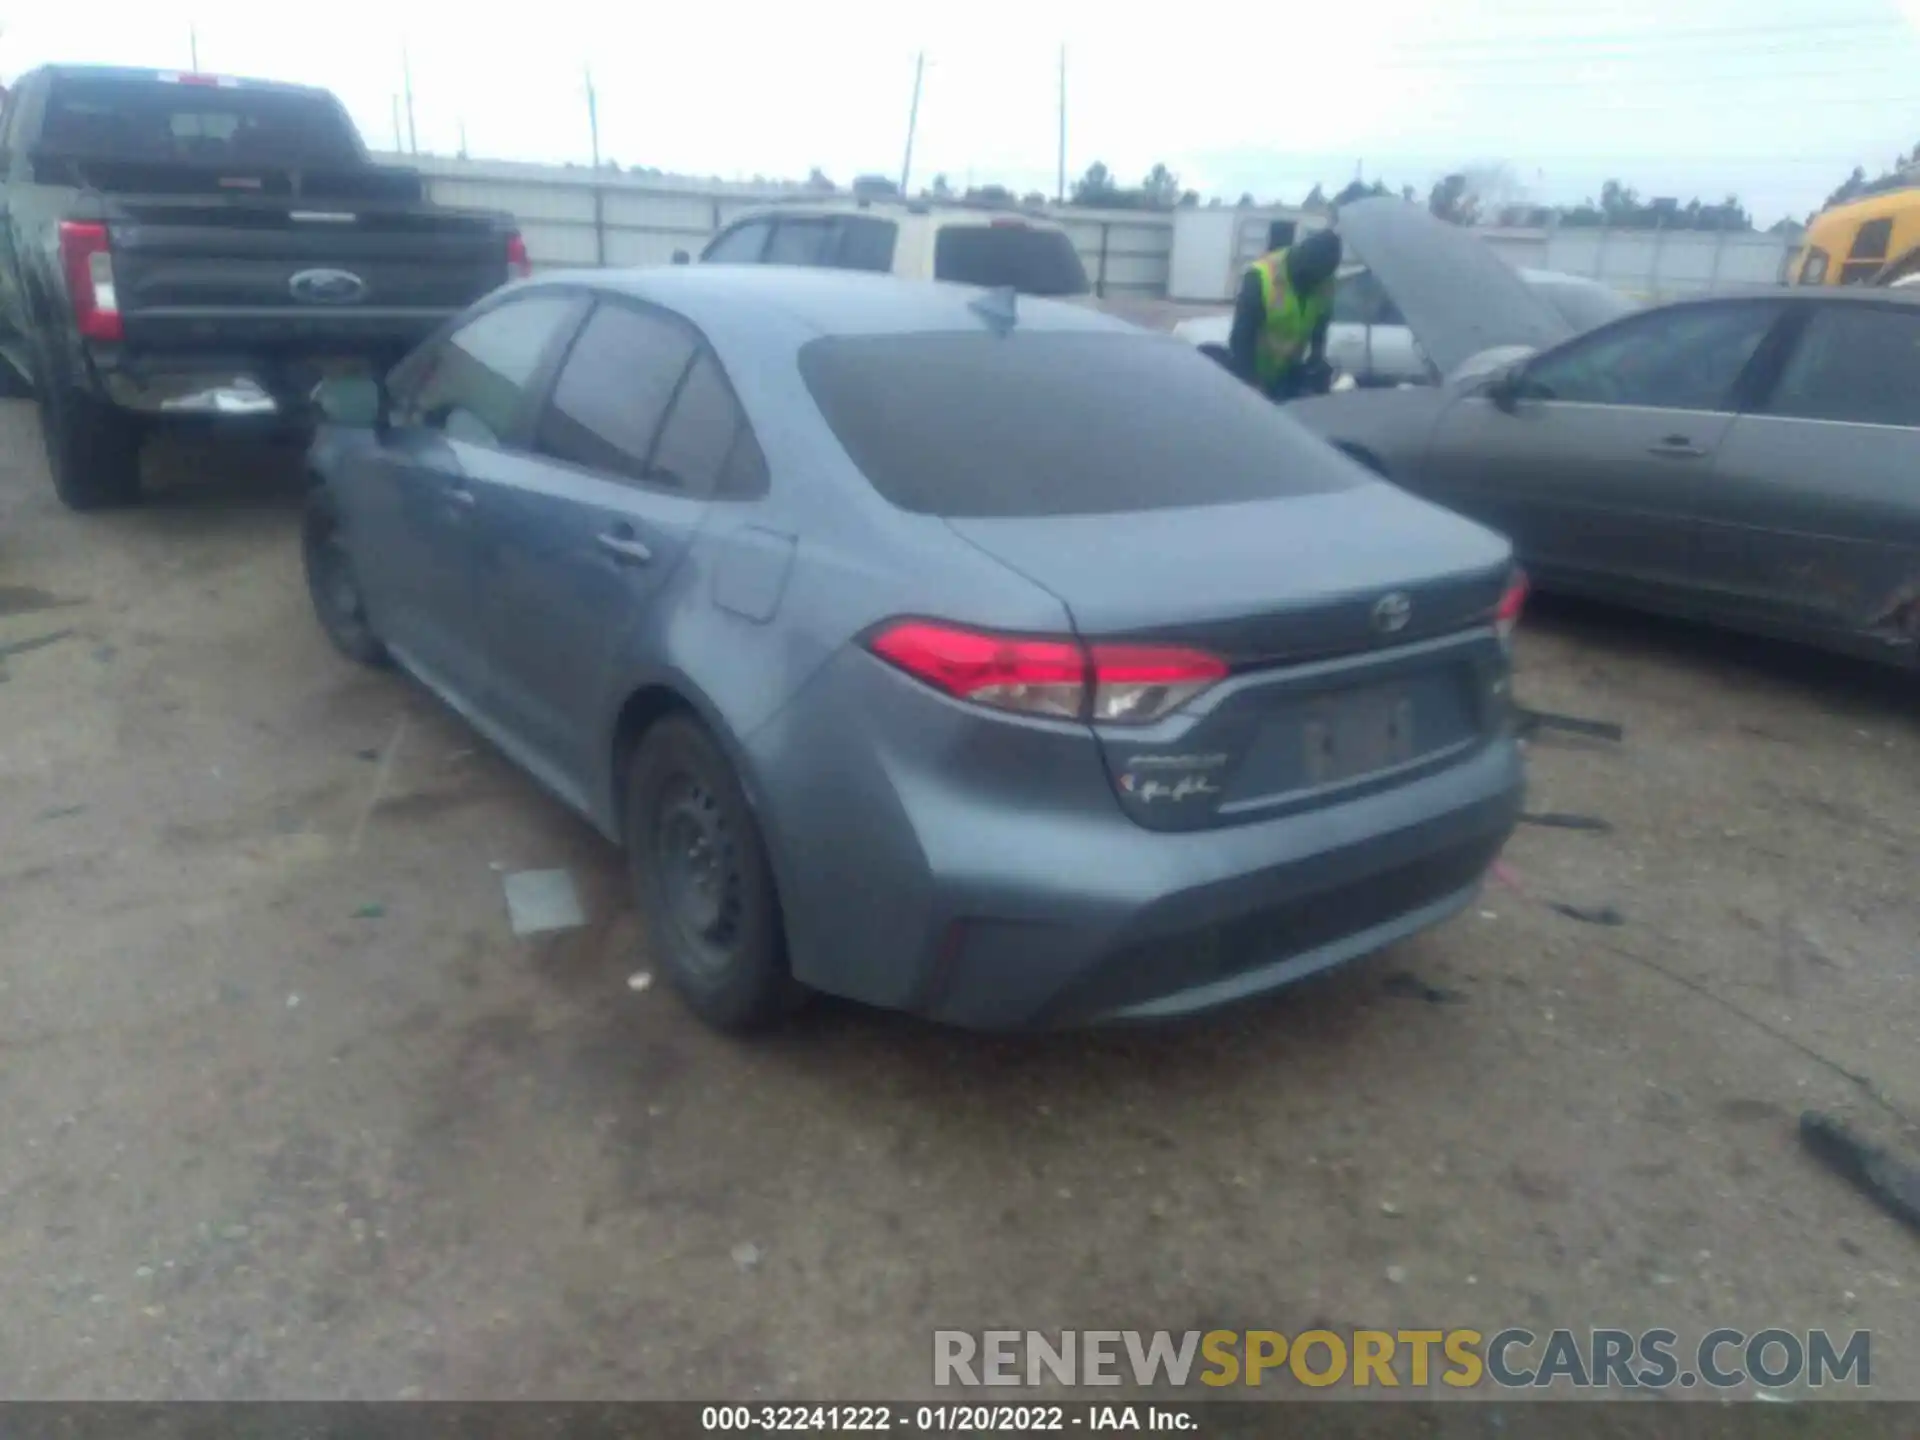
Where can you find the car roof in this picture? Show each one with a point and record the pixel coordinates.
(815, 301)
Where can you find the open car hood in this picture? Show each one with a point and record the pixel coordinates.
(1458, 297)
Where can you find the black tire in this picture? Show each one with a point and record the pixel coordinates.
(333, 587)
(700, 871)
(93, 450)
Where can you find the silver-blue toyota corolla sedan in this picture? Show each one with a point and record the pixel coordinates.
(981, 657)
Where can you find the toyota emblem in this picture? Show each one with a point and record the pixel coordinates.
(1391, 613)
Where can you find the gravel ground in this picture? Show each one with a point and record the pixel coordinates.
(289, 1111)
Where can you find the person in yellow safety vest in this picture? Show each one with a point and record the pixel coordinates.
(1279, 338)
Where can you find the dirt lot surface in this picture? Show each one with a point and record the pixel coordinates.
(289, 1112)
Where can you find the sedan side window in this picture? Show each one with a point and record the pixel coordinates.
(613, 390)
(473, 386)
(1854, 363)
(739, 246)
(706, 447)
(1689, 358)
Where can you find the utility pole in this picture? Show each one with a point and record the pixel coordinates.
(399, 140)
(1060, 187)
(913, 119)
(593, 117)
(406, 75)
(193, 46)
(463, 138)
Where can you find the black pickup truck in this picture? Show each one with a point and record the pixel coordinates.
(178, 246)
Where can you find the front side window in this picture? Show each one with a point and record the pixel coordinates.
(617, 383)
(1868, 252)
(801, 242)
(1688, 358)
(473, 386)
(1854, 363)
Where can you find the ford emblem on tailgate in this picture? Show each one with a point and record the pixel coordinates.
(1391, 612)
(328, 287)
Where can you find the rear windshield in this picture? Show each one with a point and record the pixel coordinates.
(134, 118)
(1053, 423)
(1032, 261)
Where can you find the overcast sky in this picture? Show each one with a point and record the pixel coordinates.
(1774, 100)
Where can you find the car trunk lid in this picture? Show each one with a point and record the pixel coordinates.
(1355, 625)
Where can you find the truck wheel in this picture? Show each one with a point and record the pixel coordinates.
(93, 450)
(705, 889)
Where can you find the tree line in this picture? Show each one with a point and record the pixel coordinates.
(1482, 195)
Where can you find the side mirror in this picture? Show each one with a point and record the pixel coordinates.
(680, 257)
(357, 402)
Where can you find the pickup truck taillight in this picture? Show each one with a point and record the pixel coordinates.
(519, 267)
(88, 262)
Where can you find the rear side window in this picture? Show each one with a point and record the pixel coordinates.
(140, 119)
(1857, 363)
(866, 243)
(1031, 260)
(706, 448)
(739, 246)
(613, 390)
(473, 386)
(1051, 423)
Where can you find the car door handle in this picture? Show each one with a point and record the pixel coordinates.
(1676, 447)
(624, 548)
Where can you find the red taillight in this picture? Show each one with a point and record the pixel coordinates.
(88, 262)
(1506, 614)
(518, 265)
(1062, 679)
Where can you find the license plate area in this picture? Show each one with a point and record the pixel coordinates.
(1357, 732)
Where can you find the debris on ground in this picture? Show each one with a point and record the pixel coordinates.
(746, 1255)
(639, 981)
(371, 912)
(1888, 1181)
(1404, 985)
(539, 901)
(1396, 1274)
(1560, 820)
(1590, 915)
(1530, 720)
(60, 813)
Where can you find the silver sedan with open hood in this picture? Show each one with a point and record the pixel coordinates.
(1745, 459)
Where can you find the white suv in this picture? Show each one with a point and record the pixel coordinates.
(917, 240)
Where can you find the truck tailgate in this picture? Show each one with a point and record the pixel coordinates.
(223, 270)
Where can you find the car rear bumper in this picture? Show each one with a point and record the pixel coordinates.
(1006, 889)
(1250, 911)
